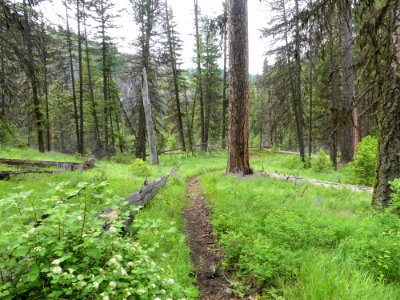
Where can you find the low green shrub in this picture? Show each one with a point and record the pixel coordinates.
(123, 158)
(140, 168)
(292, 162)
(70, 256)
(321, 162)
(364, 165)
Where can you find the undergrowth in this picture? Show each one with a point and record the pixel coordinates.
(299, 241)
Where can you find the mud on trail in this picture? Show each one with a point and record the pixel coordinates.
(206, 254)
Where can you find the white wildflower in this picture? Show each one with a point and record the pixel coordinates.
(83, 283)
(158, 277)
(106, 297)
(141, 291)
(119, 257)
(153, 286)
(79, 218)
(57, 270)
(113, 229)
(56, 262)
(80, 277)
(157, 298)
(37, 249)
(113, 260)
(32, 230)
(123, 271)
(163, 291)
(96, 285)
(71, 270)
(130, 264)
(170, 281)
(113, 284)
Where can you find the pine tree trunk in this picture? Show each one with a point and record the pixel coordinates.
(81, 149)
(32, 75)
(299, 101)
(176, 84)
(2, 86)
(225, 101)
(199, 76)
(90, 86)
(105, 78)
(388, 167)
(149, 120)
(76, 118)
(334, 101)
(348, 79)
(238, 148)
(45, 87)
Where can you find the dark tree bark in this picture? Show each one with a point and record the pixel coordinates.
(76, 118)
(45, 85)
(225, 101)
(299, 101)
(90, 86)
(81, 147)
(238, 148)
(175, 77)
(32, 75)
(348, 79)
(2, 86)
(388, 167)
(199, 76)
(334, 101)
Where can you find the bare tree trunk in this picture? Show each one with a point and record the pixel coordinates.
(76, 119)
(389, 136)
(238, 148)
(90, 86)
(2, 86)
(32, 75)
(199, 77)
(294, 91)
(81, 147)
(225, 101)
(149, 120)
(334, 100)
(299, 102)
(348, 79)
(176, 79)
(45, 87)
(105, 77)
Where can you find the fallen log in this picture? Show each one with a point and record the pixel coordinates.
(138, 198)
(353, 188)
(8, 174)
(89, 164)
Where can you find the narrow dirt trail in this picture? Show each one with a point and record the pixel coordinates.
(206, 255)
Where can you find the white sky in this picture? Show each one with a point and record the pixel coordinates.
(184, 17)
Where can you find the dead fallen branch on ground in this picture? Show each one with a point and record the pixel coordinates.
(8, 174)
(353, 188)
(138, 198)
(73, 166)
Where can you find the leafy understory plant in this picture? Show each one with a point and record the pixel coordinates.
(68, 255)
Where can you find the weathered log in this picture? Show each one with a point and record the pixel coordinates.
(353, 188)
(8, 174)
(89, 164)
(138, 198)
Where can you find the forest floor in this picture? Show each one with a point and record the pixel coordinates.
(209, 236)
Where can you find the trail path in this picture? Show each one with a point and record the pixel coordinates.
(206, 255)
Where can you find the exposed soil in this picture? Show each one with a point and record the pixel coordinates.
(206, 255)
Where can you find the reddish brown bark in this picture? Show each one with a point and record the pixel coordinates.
(238, 148)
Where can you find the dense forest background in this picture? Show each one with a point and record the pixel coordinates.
(61, 90)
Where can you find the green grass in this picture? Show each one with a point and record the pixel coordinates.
(301, 241)
(281, 239)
